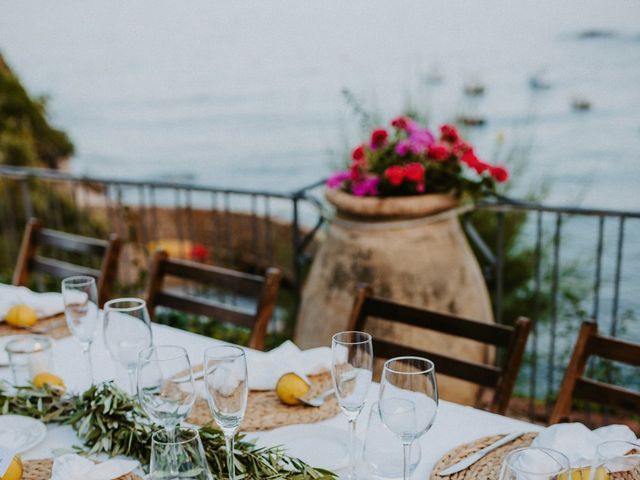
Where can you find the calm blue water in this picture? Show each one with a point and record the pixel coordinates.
(248, 93)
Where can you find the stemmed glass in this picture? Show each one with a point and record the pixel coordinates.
(352, 370)
(127, 331)
(616, 457)
(166, 388)
(535, 463)
(226, 383)
(408, 400)
(80, 296)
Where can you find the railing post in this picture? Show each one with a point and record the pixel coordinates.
(26, 198)
(295, 240)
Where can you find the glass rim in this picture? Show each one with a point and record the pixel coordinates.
(78, 281)
(180, 429)
(554, 454)
(41, 338)
(609, 443)
(431, 366)
(367, 337)
(146, 350)
(239, 352)
(140, 304)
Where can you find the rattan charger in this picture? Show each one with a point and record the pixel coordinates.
(266, 412)
(54, 327)
(41, 470)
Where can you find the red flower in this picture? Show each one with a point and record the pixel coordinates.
(414, 172)
(501, 174)
(355, 171)
(198, 252)
(378, 138)
(449, 133)
(481, 166)
(358, 153)
(470, 158)
(395, 175)
(438, 151)
(400, 123)
(459, 148)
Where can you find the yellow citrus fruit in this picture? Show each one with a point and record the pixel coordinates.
(290, 387)
(14, 472)
(44, 378)
(21, 316)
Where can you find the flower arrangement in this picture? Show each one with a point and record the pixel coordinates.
(411, 160)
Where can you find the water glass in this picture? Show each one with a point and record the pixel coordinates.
(616, 459)
(382, 452)
(534, 463)
(179, 456)
(127, 331)
(80, 296)
(226, 383)
(29, 355)
(408, 401)
(352, 370)
(166, 389)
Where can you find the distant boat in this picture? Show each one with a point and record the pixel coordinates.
(471, 120)
(474, 89)
(596, 33)
(581, 104)
(537, 81)
(434, 76)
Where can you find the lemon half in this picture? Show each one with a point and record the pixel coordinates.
(21, 316)
(290, 387)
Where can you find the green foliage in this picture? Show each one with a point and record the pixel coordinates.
(26, 137)
(110, 421)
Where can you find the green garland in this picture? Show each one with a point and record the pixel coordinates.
(110, 421)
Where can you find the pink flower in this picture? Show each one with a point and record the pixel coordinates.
(378, 138)
(366, 187)
(337, 179)
(403, 147)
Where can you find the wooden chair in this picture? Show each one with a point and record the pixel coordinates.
(500, 378)
(264, 289)
(35, 237)
(575, 385)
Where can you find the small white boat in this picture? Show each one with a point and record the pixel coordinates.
(474, 89)
(581, 104)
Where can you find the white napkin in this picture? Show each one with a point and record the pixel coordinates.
(45, 304)
(75, 467)
(579, 443)
(265, 368)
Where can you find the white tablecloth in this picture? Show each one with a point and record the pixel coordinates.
(454, 425)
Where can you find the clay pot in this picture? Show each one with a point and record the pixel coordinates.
(409, 249)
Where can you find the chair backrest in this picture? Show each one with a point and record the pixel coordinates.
(263, 288)
(500, 378)
(30, 261)
(576, 386)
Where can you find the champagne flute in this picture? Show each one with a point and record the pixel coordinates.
(80, 296)
(226, 383)
(352, 370)
(616, 457)
(127, 331)
(186, 448)
(408, 400)
(535, 463)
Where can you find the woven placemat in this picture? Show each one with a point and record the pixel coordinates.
(488, 467)
(41, 470)
(54, 327)
(265, 411)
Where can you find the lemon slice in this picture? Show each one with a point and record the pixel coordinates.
(45, 378)
(14, 472)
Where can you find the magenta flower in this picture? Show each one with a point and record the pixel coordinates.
(337, 179)
(366, 187)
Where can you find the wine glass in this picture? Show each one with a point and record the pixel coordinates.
(225, 379)
(127, 331)
(535, 463)
(80, 297)
(408, 400)
(618, 457)
(180, 457)
(352, 369)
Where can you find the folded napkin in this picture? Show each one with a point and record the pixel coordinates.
(579, 443)
(265, 368)
(75, 467)
(45, 304)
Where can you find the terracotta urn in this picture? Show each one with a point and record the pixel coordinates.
(409, 249)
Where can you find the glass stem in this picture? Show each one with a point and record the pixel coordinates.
(230, 442)
(86, 350)
(406, 462)
(132, 381)
(352, 448)
(173, 458)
